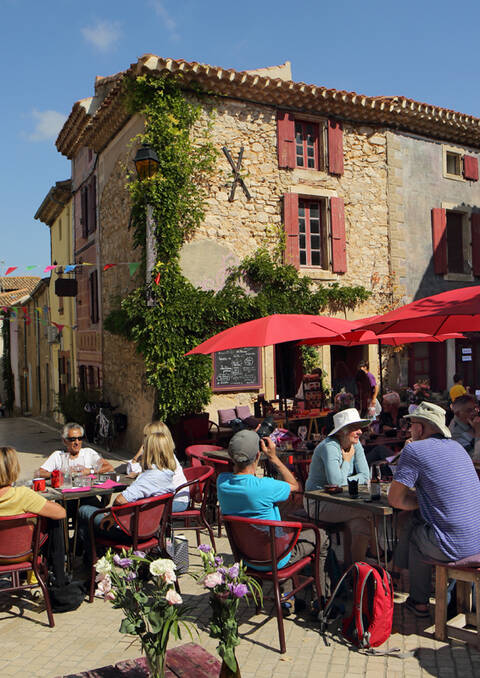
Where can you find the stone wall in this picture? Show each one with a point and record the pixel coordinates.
(241, 226)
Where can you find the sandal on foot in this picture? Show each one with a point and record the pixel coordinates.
(411, 605)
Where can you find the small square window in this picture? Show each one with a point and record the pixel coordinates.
(454, 163)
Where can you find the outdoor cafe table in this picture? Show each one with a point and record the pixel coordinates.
(76, 495)
(379, 509)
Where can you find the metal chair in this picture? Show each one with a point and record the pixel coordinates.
(142, 524)
(198, 483)
(264, 543)
(20, 539)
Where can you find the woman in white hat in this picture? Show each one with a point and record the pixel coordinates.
(338, 457)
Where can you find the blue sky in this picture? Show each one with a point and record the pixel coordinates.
(52, 50)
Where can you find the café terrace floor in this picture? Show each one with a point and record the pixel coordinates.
(88, 637)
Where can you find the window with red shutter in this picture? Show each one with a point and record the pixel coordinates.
(335, 147)
(306, 145)
(312, 233)
(92, 205)
(94, 311)
(470, 167)
(475, 226)
(84, 211)
(439, 238)
(286, 139)
(337, 226)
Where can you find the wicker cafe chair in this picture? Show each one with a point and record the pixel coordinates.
(20, 539)
(142, 524)
(198, 483)
(263, 543)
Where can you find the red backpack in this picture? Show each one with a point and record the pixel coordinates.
(369, 622)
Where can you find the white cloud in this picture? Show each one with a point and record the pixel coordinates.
(166, 17)
(47, 126)
(102, 34)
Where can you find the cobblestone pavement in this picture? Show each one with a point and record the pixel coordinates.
(88, 637)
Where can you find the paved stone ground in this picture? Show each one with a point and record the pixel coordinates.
(88, 637)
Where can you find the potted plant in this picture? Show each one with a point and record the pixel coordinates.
(227, 586)
(145, 590)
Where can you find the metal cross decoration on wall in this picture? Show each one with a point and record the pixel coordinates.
(237, 179)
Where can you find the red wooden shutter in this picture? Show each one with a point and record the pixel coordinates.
(84, 211)
(286, 139)
(439, 237)
(337, 226)
(335, 147)
(290, 216)
(476, 243)
(470, 167)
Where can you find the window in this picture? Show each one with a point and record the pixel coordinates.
(457, 165)
(315, 232)
(93, 283)
(454, 163)
(88, 207)
(455, 256)
(306, 144)
(312, 233)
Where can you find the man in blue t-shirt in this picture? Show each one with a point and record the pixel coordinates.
(241, 493)
(436, 476)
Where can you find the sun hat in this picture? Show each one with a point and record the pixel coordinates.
(433, 414)
(244, 446)
(346, 418)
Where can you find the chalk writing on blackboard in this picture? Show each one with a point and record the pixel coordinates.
(237, 368)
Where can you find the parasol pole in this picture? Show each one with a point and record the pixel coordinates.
(380, 363)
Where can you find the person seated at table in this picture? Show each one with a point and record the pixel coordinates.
(242, 493)
(342, 401)
(436, 482)
(183, 497)
(158, 469)
(458, 389)
(465, 425)
(339, 457)
(17, 500)
(84, 458)
(388, 418)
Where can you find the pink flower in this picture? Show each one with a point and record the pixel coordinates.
(169, 577)
(213, 579)
(104, 587)
(173, 598)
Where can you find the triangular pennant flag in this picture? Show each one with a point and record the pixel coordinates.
(58, 326)
(157, 278)
(69, 268)
(11, 269)
(133, 267)
(49, 268)
(29, 268)
(107, 266)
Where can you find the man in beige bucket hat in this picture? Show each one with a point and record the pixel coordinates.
(436, 481)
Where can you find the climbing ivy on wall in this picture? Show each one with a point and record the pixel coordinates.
(181, 316)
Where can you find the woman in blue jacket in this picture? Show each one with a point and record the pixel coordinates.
(338, 457)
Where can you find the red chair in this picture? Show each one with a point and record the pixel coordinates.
(198, 482)
(20, 539)
(264, 543)
(197, 452)
(301, 468)
(143, 524)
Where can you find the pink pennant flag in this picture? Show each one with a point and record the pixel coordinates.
(107, 266)
(58, 326)
(157, 279)
(11, 269)
(49, 268)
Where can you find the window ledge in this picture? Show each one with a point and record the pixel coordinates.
(317, 273)
(459, 277)
(306, 173)
(455, 177)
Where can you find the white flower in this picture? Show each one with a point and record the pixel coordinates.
(173, 597)
(104, 588)
(213, 579)
(170, 577)
(161, 566)
(102, 566)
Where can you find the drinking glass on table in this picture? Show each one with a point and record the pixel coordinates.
(302, 432)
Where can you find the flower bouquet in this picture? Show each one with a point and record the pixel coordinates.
(144, 590)
(227, 585)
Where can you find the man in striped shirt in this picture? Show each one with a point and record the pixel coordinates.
(435, 480)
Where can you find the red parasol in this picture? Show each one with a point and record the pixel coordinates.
(457, 310)
(274, 329)
(362, 337)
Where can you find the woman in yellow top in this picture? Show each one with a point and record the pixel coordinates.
(17, 500)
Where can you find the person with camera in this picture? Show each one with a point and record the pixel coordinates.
(242, 493)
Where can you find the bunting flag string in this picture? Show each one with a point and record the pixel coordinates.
(68, 268)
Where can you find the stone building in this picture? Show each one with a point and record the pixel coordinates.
(331, 168)
(56, 211)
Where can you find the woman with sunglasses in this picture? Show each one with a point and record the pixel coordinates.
(84, 458)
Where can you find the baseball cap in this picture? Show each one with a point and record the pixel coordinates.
(244, 446)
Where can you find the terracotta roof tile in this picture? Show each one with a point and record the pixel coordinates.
(12, 289)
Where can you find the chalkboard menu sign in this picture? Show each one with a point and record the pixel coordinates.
(237, 369)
